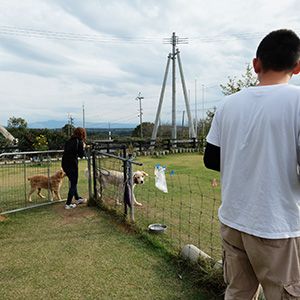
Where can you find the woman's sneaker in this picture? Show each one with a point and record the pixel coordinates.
(70, 206)
(81, 200)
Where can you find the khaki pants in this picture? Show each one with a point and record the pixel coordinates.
(250, 260)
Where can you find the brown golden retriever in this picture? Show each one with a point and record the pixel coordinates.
(52, 183)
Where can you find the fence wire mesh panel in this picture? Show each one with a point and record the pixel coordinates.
(16, 168)
(189, 209)
(109, 180)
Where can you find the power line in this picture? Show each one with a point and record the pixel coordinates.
(233, 36)
(100, 38)
(48, 34)
(128, 118)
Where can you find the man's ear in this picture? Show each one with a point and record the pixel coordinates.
(256, 65)
(296, 69)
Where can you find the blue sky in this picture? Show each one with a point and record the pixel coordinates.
(57, 55)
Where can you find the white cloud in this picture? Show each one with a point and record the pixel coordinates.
(44, 77)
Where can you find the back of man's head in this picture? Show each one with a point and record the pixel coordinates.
(279, 50)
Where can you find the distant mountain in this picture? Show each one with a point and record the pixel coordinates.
(112, 125)
(47, 124)
(52, 124)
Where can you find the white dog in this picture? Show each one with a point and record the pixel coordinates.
(116, 178)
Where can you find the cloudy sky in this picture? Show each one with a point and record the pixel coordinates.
(58, 55)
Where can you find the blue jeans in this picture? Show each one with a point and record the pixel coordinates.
(73, 180)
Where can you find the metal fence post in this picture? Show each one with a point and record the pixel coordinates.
(94, 175)
(125, 168)
(91, 199)
(25, 175)
(48, 171)
(124, 151)
(130, 181)
(194, 143)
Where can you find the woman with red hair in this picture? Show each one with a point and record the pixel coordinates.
(73, 149)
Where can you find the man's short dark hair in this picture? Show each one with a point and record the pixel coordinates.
(279, 50)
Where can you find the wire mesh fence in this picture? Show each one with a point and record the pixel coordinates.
(16, 168)
(189, 209)
(113, 181)
(112, 192)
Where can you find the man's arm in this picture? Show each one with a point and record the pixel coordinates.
(212, 157)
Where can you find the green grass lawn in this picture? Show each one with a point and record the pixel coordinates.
(52, 253)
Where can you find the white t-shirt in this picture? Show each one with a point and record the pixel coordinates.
(258, 132)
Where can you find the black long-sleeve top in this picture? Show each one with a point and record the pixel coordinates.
(73, 149)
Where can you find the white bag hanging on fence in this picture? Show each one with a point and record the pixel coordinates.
(160, 178)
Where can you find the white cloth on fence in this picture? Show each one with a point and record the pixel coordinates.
(160, 178)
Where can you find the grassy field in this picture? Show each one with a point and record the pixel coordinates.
(51, 253)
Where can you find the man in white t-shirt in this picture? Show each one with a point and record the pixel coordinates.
(254, 140)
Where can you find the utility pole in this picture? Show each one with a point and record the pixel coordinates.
(83, 116)
(203, 116)
(162, 93)
(140, 98)
(174, 130)
(70, 124)
(174, 40)
(196, 121)
(187, 103)
(109, 131)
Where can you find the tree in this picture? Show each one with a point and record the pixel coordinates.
(40, 143)
(14, 122)
(4, 142)
(147, 128)
(68, 129)
(233, 85)
(18, 128)
(56, 139)
(26, 139)
(204, 126)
